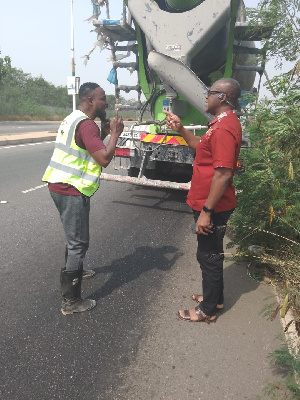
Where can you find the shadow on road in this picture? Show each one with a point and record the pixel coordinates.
(236, 285)
(130, 267)
(172, 200)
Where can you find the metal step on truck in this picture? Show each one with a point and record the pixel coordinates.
(177, 49)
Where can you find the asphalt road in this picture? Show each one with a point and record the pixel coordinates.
(131, 346)
(21, 127)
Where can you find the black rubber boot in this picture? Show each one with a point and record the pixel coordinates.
(71, 293)
(87, 273)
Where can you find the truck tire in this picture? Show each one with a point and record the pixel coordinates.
(133, 172)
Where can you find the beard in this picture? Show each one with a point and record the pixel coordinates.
(102, 116)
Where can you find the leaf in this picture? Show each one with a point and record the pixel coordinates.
(284, 306)
(291, 171)
(275, 312)
(272, 214)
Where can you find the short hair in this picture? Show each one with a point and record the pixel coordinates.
(86, 90)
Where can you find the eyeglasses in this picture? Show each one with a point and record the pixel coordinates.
(208, 92)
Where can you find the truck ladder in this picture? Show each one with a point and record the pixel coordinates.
(243, 34)
(114, 32)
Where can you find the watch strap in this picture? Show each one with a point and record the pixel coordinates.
(207, 210)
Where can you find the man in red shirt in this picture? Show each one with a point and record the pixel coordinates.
(212, 195)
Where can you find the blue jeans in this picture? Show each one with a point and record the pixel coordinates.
(210, 255)
(74, 214)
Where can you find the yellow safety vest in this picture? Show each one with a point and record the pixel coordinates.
(70, 163)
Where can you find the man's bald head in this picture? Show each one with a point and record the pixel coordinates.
(231, 87)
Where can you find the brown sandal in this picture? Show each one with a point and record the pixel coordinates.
(198, 298)
(201, 316)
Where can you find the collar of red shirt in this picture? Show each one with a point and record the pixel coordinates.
(220, 116)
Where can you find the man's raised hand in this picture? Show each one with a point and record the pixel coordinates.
(173, 122)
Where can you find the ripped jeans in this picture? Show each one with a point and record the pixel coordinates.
(210, 255)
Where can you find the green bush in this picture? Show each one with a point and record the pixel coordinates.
(268, 190)
(25, 97)
(22, 95)
(268, 211)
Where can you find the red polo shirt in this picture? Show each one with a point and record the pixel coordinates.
(218, 148)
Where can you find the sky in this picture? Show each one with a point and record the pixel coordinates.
(36, 35)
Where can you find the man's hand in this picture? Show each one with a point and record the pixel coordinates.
(104, 156)
(173, 122)
(116, 125)
(203, 225)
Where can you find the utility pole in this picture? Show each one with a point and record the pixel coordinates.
(72, 54)
(72, 81)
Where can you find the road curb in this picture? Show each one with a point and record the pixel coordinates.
(34, 137)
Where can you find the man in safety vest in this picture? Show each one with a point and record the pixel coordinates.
(73, 176)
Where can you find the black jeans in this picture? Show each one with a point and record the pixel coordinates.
(210, 255)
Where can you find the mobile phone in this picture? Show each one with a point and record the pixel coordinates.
(193, 228)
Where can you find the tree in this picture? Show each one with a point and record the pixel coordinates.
(283, 16)
(25, 96)
(268, 212)
(111, 101)
(22, 95)
(5, 65)
(269, 189)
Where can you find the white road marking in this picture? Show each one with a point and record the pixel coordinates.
(35, 188)
(23, 145)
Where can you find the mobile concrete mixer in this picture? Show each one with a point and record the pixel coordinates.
(178, 50)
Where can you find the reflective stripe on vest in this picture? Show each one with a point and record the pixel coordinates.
(74, 171)
(69, 163)
(73, 152)
(72, 128)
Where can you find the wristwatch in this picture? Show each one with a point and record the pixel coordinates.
(207, 210)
